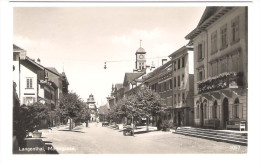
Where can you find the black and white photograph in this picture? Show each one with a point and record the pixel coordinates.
(132, 78)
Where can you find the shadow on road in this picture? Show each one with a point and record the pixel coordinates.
(72, 131)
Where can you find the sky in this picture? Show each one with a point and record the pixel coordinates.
(79, 40)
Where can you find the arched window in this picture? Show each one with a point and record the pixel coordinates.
(214, 110)
(236, 108)
(197, 110)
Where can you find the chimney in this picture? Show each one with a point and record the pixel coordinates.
(38, 61)
(164, 61)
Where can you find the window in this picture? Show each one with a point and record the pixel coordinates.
(179, 63)
(205, 110)
(164, 86)
(29, 83)
(175, 100)
(198, 111)
(223, 36)
(183, 61)
(179, 81)
(200, 56)
(200, 74)
(214, 69)
(183, 98)
(235, 29)
(174, 82)
(170, 84)
(182, 77)
(174, 65)
(214, 47)
(179, 98)
(236, 108)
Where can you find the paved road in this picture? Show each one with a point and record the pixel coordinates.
(103, 140)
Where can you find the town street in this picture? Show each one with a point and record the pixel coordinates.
(104, 140)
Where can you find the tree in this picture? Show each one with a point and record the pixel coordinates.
(73, 107)
(143, 103)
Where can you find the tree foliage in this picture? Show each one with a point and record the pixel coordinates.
(72, 106)
(142, 103)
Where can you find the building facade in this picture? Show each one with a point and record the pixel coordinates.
(182, 87)
(221, 66)
(92, 108)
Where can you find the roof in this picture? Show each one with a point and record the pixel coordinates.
(17, 48)
(208, 12)
(53, 69)
(157, 70)
(91, 99)
(140, 50)
(104, 109)
(180, 50)
(129, 77)
(210, 15)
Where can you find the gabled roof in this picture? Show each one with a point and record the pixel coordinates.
(53, 70)
(210, 15)
(157, 70)
(17, 48)
(129, 77)
(208, 12)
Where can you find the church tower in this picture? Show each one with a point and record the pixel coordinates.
(140, 62)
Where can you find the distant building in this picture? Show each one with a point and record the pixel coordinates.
(221, 65)
(92, 108)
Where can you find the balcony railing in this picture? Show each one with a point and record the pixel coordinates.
(222, 81)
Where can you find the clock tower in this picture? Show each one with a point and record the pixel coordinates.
(140, 62)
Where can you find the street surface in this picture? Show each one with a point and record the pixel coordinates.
(104, 140)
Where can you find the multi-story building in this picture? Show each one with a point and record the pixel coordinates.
(160, 81)
(221, 65)
(182, 88)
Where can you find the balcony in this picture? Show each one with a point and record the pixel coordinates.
(222, 81)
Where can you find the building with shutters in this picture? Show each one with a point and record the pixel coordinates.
(221, 66)
(182, 86)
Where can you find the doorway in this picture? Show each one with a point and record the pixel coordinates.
(201, 115)
(225, 111)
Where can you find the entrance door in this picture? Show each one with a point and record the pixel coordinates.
(225, 111)
(179, 118)
(201, 115)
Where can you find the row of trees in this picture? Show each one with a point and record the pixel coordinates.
(29, 118)
(144, 103)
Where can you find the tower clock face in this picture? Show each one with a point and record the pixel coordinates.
(141, 56)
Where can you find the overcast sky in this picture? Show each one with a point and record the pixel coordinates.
(82, 39)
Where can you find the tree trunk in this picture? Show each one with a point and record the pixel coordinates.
(147, 124)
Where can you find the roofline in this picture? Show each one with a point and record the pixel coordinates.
(35, 63)
(53, 71)
(185, 47)
(207, 22)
